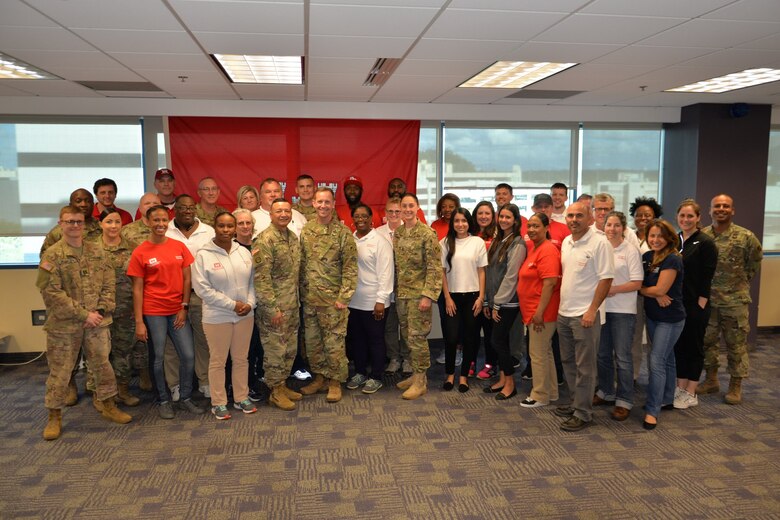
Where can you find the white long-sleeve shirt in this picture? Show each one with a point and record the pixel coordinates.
(376, 274)
(263, 220)
(221, 279)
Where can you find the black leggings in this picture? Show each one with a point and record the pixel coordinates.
(500, 338)
(689, 349)
(464, 316)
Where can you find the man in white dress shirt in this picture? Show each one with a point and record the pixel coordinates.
(270, 190)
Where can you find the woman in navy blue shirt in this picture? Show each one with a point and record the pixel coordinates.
(663, 292)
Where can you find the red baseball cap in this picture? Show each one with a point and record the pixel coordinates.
(352, 179)
(163, 172)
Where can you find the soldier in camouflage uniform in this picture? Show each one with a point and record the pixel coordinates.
(118, 251)
(739, 259)
(304, 187)
(83, 200)
(207, 209)
(277, 262)
(328, 281)
(418, 284)
(77, 285)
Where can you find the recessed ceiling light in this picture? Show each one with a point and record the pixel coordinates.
(287, 70)
(734, 81)
(11, 68)
(515, 74)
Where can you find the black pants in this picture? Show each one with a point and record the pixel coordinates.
(689, 349)
(485, 325)
(366, 340)
(464, 317)
(500, 338)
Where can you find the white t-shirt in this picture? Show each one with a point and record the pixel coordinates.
(375, 272)
(263, 220)
(584, 264)
(629, 235)
(558, 217)
(470, 254)
(628, 268)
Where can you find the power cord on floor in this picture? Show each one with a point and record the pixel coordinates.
(39, 356)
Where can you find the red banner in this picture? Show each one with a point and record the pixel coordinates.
(239, 151)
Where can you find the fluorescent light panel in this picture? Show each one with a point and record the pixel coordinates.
(734, 81)
(515, 74)
(11, 68)
(287, 70)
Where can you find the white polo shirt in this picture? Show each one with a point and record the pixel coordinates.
(263, 220)
(196, 240)
(628, 268)
(629, 235)
(584, 264)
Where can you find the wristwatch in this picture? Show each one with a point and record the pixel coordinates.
(185, 306)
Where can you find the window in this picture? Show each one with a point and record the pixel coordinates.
(625, 163)
(771, 241)
(42, 163)
(427, 172)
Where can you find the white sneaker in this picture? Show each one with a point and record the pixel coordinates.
(393, 366)
(440, 360)
(302, 375)
(175, 393)
(458, 358)
(205, 390)
(406, 367)
(678, 392)
(685, 400)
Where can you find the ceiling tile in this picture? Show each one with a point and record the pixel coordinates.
(737, 59)
(170, 77)
(245, 17)
(40, 38)
(358, 47)
(472, 24)
(769, 43)
(750, 10)
(7, 89)
(340, 65)
(256, 44)
(559, 52)
(464, 69)
(95, 74)
(652, 56)
(440, 49)
(550, 6)
(56, 88)
(591, 28)
(713, 33)
(109, 14)
(385, 3)
(271, 92)
(514, 101)
(139, 41)
(473, 95)
(153, 61)
(591, 76)
(13, 12)
(673, 8)
(348, 81)
(79, 59)
(341, 20)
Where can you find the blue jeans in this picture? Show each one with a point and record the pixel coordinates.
(617, 335)
(663, 371)
(158, 327)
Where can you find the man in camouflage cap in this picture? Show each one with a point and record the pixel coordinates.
(739, 259)
(77, 285)
(277, 260)
(328, 281)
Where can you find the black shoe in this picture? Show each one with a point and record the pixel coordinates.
(648, 426)
(447, 386)
(527, 375)
(255, 396)
(491, 390)
(504, 397)
(564, 411)
(463, 388)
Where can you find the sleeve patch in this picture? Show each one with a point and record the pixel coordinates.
(46, 265)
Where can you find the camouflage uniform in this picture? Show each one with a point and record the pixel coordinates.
(123, 326)
(208, 218)
(328, 275)
(277, 261)
(310, 212)
(92, 232)
(739, 259)
(136, 233)
(417, 274)
(73, 284)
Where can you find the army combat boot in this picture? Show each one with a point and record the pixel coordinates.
(97, 403)
(291, 394)
(72, 397)
(54, 426)
(734, 395)
(419, 387)
(280, 400)
(124, 396)
(710, 384)
(406, 383)
(114, 414)
(334, 391)
(144, 379)
(318, 384)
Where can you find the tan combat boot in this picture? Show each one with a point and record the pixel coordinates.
(98, 404)
(318, 384)
(419, 387)
(124, 396)
(734, 395)
(291, 394)
(406, 383)
(144, 380)
(710, 384)
(54, 426)
(280, 400)
(72, 397)
(334, 391)
(114, 414)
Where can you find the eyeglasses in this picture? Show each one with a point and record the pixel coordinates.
(215, 188)
(602, 209)
(190, 209)
(360, 217)
(72, 222)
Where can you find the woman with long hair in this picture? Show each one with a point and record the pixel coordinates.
(506, 255)
(539, 293)
(463, 258)
(248, 197)
(118, 250)
(617, 332)
(700, 258)
(662, 289)
(485, 218)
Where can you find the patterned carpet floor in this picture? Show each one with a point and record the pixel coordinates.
(445, 456)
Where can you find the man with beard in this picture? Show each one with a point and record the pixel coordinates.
(395, 190)
(353, 192)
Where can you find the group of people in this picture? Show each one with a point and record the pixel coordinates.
(190, 293)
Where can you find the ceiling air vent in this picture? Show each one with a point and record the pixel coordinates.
(381, 71)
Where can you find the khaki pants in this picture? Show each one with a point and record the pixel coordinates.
(233, 338)
(545, 387)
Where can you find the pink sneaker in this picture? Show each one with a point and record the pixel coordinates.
(487, 372)
(472, 369)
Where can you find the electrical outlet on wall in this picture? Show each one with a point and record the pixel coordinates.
(38, 317)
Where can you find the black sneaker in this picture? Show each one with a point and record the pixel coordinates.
(255, 396)
(527, 375)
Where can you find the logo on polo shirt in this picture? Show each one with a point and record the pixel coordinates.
(153, 261)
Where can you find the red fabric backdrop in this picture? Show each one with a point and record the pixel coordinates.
(239, 151)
